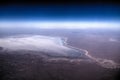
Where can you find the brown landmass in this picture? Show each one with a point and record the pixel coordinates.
(29, 66)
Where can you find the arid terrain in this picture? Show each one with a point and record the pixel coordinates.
(26, 65)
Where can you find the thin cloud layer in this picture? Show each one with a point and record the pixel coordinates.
(35, 43)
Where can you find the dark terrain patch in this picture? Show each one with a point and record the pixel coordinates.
(27, 66)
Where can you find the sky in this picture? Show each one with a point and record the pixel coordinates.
(62, 14)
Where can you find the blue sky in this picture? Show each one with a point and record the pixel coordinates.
(96, 16)
(61, 12)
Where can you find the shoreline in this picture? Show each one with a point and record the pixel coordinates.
(102, 62)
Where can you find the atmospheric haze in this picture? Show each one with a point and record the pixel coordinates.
(61, 24)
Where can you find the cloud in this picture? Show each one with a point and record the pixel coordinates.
(113, 40)
(35, 43)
